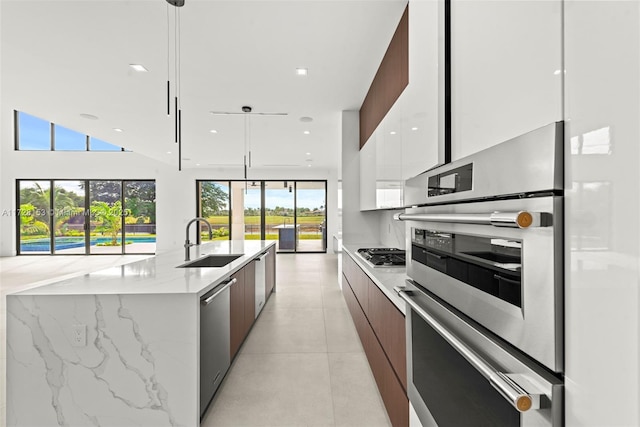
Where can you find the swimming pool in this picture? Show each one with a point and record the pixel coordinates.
(44, 245)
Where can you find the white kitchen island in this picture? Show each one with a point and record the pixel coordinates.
(140, 364)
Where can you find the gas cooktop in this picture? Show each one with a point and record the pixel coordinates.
(383, 257)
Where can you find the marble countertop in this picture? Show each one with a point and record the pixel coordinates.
(159, 274)
(384, 278)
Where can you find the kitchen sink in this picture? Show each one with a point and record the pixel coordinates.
(212, 260)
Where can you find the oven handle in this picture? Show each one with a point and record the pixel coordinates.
(520, 219)
(517, 396)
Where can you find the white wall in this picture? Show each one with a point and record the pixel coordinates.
(602, 245)
(357, 227)
(392, 233)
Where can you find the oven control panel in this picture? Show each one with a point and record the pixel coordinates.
(452, 181)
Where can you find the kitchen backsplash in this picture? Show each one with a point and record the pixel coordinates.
(392, 233)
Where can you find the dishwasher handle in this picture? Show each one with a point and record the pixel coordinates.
(205, 302)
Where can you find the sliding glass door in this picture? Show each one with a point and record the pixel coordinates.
(34, 221)
(311, 216)
(290, 212)
(68, 217)
(280, 221)
(86, 217)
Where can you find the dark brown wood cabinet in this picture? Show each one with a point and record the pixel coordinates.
(358, 281)
(243, 299)
(381, 329)
(388, 323)
(389, 82)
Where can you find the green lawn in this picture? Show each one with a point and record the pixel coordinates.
(270, 220)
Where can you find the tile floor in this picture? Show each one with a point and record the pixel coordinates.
(301, 365)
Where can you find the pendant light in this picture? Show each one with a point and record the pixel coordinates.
(177, 74)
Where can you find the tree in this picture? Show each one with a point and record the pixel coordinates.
(29, 225)
(105, 191)
(110, 217)
(65, 203)
(140, 197)
(213, 199)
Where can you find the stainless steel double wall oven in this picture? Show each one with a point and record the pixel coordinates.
(485, 289)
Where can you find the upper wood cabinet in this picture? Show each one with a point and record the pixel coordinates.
(409, 138)
(506, 70)
(389, 82)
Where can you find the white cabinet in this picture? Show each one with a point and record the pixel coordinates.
(423, 126)
(368, 174)
(506, 77)
(389, 158)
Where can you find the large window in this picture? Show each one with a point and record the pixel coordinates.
(35, 134)
(293, 213)
(32, 133)
(86, 217)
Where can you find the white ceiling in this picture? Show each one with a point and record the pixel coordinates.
(63, 58)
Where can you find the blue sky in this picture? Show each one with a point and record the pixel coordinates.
(35, 134)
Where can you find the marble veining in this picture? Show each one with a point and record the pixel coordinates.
(131, 372)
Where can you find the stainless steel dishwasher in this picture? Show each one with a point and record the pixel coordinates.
(214, 341)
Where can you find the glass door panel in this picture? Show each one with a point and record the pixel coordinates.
(246, 204)
(35, 222)
(105, 199)
(311, 216)
(280, 222)
(69, 217)
(140, 217)
(214, 206)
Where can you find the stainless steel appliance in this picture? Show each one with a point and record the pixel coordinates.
(383, 257)
(215, 353)
(261, 278)
(485, 297)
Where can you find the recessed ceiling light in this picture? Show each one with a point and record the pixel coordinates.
(139, 68)
(117, 129)
(306, 119)
(301, 71)
(88, 116)
(306, 132)
(393, 132)
(168, 152)
(414, 128)
(197, 164)
(308, 154)
(308, 166)
(213, 131)
(557, 72)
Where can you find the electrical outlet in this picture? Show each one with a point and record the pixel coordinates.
(79, 335)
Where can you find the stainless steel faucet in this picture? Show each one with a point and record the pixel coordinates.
(187, 243)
